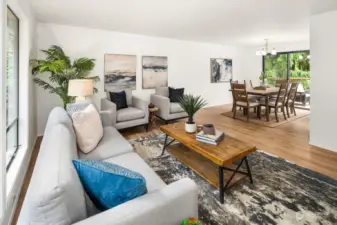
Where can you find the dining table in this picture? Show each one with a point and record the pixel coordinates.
(266, 93)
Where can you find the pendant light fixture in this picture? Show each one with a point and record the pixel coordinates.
(265, 50)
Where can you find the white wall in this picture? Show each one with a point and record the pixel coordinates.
(253, 63)
(27, 108)
(189, 62)
(323, 120)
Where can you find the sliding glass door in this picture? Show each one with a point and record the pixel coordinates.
(292, 66)
(299, 71)
(275, 67)
(12, 86)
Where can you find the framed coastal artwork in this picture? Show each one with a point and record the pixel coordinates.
(154, 72)
(221, 70)
(119, 72)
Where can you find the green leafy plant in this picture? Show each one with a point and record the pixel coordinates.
(191, 104)
(59, 69)
(190, 221)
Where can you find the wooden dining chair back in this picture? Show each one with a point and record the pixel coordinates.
(240, 92)
(241, 99)
(231, 85)
(282, 94)
(278, 102)
(281, 81)
(290, 101)
(278, 83)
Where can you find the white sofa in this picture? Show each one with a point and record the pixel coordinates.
(55, 194)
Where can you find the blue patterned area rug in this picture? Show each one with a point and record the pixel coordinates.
(282, 193)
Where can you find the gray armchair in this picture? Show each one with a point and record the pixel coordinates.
(167, 110)
(137, 113)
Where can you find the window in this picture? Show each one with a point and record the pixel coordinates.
(293, 66)
(12, 87)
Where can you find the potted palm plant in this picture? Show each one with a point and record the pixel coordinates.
(59, 69)
(191, 104)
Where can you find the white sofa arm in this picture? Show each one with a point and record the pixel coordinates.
(168, 206)
(108, 106)
(163, 103)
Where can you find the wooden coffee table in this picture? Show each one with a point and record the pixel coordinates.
(213, 163)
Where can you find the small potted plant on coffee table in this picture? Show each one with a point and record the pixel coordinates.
(191, 104)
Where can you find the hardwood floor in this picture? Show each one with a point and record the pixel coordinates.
(289, 141)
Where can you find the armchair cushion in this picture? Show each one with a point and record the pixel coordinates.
(119, 98)
(128, 114)
(175, 108)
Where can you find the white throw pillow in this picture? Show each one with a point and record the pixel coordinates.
(88, 128)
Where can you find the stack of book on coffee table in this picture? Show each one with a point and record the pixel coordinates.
(210, 139)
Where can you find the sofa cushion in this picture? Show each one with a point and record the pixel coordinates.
(111, 144)
(163, 91)
(134, 162)
(88, 128)
(175, 108)
(112, 184)
(55, 194)
(129, 114)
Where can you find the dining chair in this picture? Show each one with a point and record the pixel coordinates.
(233, 82)
(278, 84)
(281, 81)
(279, 103)
(241, 100)
(249, 84)
(290, 101)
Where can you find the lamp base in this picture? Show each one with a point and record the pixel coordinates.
(80, 99)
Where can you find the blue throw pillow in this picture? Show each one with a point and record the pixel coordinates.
(107, 184)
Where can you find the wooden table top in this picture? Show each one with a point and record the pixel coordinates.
(229, 149)
(268, 91)
(154, 109)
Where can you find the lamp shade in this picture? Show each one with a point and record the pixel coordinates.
(82, 88)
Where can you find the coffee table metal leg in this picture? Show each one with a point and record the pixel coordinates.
(235, 171)
(165, 145)
(221, 185)
(248, 170)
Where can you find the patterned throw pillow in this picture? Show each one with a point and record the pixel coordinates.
(107, 184)
(76, 107)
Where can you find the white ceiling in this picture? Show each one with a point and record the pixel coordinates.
(242, 22)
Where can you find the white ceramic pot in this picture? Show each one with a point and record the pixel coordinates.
(190, 128)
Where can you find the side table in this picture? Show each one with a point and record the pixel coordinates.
(152, 117)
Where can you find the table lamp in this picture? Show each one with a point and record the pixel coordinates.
(80, 89)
